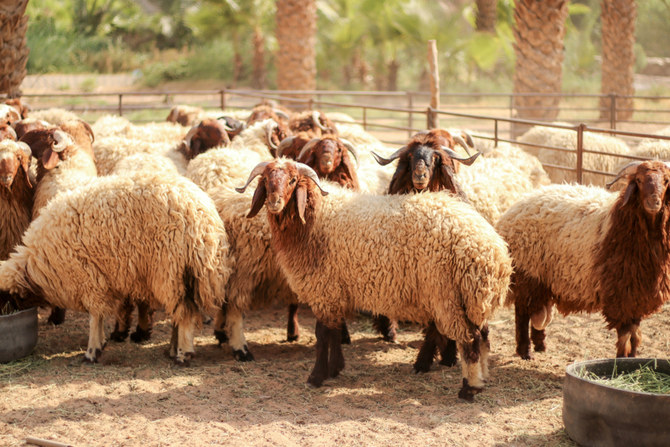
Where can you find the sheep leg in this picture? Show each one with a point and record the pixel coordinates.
(293, 328)
(96, 339)
(386, 327)
(123, 319)
(447, 348)
(539, 320)
(320, 371)
(220, 326)
(485, 349)
(336, 359)
(471, 359)
(623, 345)
(185, 348)
(344, 334)
(57, 316)
(237, 341)
(145, 323)
(425, 357)
(522, 320)
(174, 337)
(635, 339)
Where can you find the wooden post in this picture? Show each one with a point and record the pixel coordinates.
(432, 118)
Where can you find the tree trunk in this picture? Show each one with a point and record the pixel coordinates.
(258, 81)
(296, 38)
(392, 84)
(237, 60)
(539, 32)
(487, 13)
(618, 37)
(13, 49)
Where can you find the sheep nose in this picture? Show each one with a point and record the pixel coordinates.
(653, 203)
(6, 180)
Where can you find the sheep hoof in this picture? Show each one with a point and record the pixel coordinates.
(450, 361)
(243, 355)
(421, 367)
(525, 355)
(540, 348)
(185, 360)
(118, 336)
(222, 337)
(140, 335)
(314, 382)
(291, 338)
(92, 356)
(468, 392)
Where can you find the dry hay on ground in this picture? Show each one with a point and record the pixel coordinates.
(137, 397)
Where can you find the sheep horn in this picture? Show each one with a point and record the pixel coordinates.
(305, 170)
(280, 113)
(258, 170)
(189, 135)
(466, 161)
(269, 129)
(461, 142)
(316, 116)
(25, 149)
(350, 148)
(626, 170)
(63, 140)
(12, 132)
(384, 161)
(283, 144)
(468, 139)
(308, 147)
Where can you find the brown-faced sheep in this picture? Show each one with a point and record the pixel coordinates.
(7, 132)
(331, 159)
(184, 115)
(583, 249)
(25, 125)
(352, 251)
(8, 114)
(16, 194)
(314, 123)
(205, 135)
(20, 106)
(90, 248)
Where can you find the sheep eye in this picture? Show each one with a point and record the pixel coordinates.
(292, 181)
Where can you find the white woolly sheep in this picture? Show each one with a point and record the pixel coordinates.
(109, 151)
(222, 166)
(90, 248)
(354, 251)
(584, 249)
(110, 125)
(55, 116)
(564, 138)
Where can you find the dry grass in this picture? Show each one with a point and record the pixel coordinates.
(137, 397)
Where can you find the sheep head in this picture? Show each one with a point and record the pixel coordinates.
(8, 114)
(314, 123)
(275, 133)
(290, 147)
(7, 132)
(49, 146)
(281, 181)
(233, 126)
(325, 154)
(20, 107)
(205, 135)
(184, 115)
(82, 134)
(24, 126)
(647, 182)
(12, 156)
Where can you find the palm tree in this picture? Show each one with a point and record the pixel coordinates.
(539, 32)
(486, 15)
(296, 38)
(13, 49)
(618, 39)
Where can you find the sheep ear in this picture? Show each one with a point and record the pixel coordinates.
(25, 162)
(50, 158)
(632, 187)
(451, 183)
(258, 201)
(350, 169)
(301, 201)
(396, 180)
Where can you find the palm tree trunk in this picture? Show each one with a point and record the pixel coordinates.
(539, 32)
(259, 59)
(13, 49)
(618, 37)
(296, 38)
(487, 12)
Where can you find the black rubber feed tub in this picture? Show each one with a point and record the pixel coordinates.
(601, 415)
(18, 334)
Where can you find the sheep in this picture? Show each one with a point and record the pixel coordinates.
(7, 132)
(184, 115)
(584, 249)
(8, 114)
(291, 146)
(263, 111)
(658, 149)
(16, 194)
(89, 249)
(330, 158)
(111, 125)
(25, 125)
(221, 167)
(353, 251)
(565, 138)
(263, 137)
(205, 135)
(110, 151)
(314, 123)
(54, 116)
(20, 107)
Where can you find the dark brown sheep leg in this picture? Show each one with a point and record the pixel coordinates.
(386, 327)
(145, 323)
(293, 328)
(425, 357)
(123, 320)
(57, 316)
(336, 360)
(447, 348)
(220, 326)
(522, 319)
(344, 331)
(320, 371)
(537, 337)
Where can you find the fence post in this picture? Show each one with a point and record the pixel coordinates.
(120, 104)
(580, 152)
(612, 111)
(365, 118)
(495, 133)
(222, 98)
(511, 114)
(410, 118)
(311, 104)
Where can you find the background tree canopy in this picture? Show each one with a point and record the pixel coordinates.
(362, 44)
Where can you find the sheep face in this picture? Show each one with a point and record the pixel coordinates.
(12, 157)
(26, 125)
(7, 132)
(280, 182)
(207, 134)
(422, 162)
(324, 157)
(8, 114)
(650, 181)
(23, 109)
(49, 146)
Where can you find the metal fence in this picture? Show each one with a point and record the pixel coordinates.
(394, 116)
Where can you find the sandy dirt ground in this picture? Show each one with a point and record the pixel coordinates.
(136, 396)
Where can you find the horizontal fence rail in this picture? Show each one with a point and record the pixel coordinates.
(395, 116)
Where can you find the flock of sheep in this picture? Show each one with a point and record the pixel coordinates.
(107, 217)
